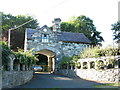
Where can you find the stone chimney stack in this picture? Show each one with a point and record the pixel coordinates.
(56, 25)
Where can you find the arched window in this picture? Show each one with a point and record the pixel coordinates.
(92, 64)
(85, 65)
(45, 38)
(100, 64)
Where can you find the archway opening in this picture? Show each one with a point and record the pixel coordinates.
(46, 60)
(43, 60)
(85, 65)
(92, 65)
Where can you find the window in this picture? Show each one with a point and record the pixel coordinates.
(45, 38)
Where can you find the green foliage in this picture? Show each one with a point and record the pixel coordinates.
(26, 57)
(95, 52)
(83, 24)
(109, 51)
(10, 21)
(6, 51)
(116, 31)
(66, 60)
(20, 56)
(90, 53)
(17, 36)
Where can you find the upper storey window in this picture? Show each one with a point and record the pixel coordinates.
(45, 38)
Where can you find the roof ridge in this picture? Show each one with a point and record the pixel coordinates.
(73, 32)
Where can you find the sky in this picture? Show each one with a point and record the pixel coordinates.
(102, 12)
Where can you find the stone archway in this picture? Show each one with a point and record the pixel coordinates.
(54, 55)
(52, 58)
(57, 51)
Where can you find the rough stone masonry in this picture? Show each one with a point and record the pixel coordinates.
(62, 43)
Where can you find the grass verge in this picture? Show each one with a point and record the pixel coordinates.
(108, 85)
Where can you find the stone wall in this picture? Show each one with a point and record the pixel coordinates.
(71, 49)
(110, 75)
(15, 78)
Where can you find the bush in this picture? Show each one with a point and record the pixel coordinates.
(90, 53)
(66, 60)
(26, 57)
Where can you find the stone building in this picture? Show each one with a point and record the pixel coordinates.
(54, 43)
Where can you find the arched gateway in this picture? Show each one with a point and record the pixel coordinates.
(55, 43)
(53, 55)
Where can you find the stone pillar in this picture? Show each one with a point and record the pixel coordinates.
(88, 64)
(11, 65)
(95, 64)
(26, 67)
(23, 68)
(18, 67)
(81, 65)
(12, 57)
(53, 64)
(67, 67)
(71, 67)
(48, 63)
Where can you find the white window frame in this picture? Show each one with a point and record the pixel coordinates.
(45, 38)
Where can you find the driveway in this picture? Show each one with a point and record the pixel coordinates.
(46, 80)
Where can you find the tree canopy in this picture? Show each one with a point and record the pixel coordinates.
(116, 31)
(17, 36)
(83, 24)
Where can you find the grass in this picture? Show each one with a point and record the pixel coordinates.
(108, 85)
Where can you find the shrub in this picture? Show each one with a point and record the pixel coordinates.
(90, 53)
(26, 57)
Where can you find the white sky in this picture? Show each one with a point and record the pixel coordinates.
(102, 12)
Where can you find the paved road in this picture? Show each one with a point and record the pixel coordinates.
(45, 80)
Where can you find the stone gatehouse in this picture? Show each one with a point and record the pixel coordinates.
(54, 43)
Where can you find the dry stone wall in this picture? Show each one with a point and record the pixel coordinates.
(110, 75)
(15, 78)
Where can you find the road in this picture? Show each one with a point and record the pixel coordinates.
(45, 80)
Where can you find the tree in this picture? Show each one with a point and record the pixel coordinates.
(83, 24)
(17, 36)
(116, 31)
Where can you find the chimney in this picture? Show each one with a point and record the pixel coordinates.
(56, 25)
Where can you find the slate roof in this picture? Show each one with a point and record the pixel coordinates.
(30, 32)
(64, 36)
(73, 37)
